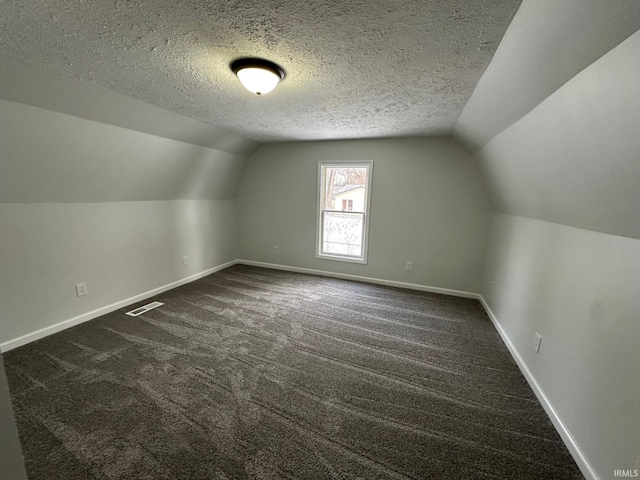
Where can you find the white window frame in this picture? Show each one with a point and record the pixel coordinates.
(368, 164)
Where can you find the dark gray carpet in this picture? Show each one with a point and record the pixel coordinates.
(263, 374)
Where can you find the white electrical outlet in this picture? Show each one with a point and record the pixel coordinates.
(276, 249)
(185, 260)
(409, 266)
(81, 289)
(536, 342)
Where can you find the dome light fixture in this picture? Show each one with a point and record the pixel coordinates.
(257, 75)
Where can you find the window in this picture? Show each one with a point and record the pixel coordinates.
(343, 210)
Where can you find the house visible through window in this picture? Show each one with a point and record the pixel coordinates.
(343, 202)
(347, 205)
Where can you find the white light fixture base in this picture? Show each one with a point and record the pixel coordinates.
(257, 75)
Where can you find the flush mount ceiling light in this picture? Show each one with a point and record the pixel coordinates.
(257, 75)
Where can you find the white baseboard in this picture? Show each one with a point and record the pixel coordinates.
(584, 465)
(377, 281)
(85, 317)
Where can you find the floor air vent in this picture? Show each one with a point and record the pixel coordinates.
(145, 308)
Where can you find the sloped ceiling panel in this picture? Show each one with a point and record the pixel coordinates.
(49, 156)
(547, 43)
(23, 83)
(574, 159)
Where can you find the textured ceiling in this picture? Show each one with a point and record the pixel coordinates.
(354, 69)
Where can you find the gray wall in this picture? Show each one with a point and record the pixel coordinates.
(121, 249)
(428, 205)
(579, 290)
(84, 201)
(11, 462)
(573, 160)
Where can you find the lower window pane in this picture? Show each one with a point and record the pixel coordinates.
(342, 233)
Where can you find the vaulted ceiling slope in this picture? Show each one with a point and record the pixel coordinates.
(364, 68)
(547, 44)
(47, 156)
(32, 85)
(574, 159)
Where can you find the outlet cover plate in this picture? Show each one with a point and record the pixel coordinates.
(81, 289)
(537, 340)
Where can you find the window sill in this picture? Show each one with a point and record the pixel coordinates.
(339, 258)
